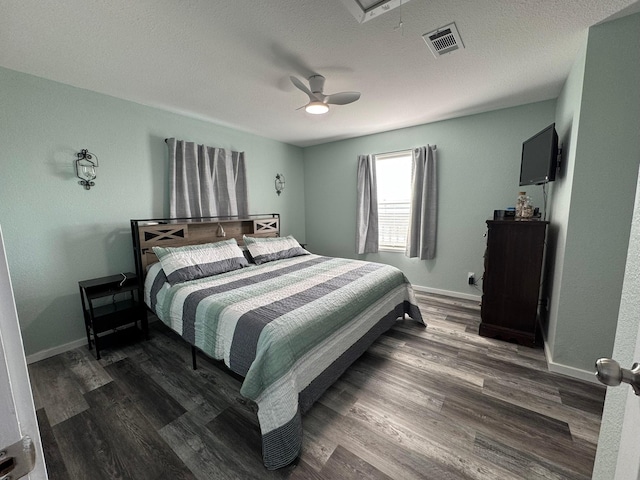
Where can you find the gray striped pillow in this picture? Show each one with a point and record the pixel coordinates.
(181, 264)
(265, 250)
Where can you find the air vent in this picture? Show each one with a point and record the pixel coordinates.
(443, 40)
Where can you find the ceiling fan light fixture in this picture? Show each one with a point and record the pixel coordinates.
(316, 108)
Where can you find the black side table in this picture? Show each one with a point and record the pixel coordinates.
(125, 308)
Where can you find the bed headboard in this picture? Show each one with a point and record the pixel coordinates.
(177, 232)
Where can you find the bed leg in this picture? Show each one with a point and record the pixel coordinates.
(193, 357)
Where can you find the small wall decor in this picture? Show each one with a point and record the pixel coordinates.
(279, 183)
(86, 168)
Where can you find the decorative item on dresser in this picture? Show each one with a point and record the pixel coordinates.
(101, 316)
(511, 282)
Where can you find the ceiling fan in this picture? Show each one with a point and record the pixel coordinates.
(318, 101)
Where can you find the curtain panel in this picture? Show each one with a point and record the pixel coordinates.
(367, 206)
(206, 181)
(421, 238)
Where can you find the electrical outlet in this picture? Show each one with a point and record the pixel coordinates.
(471, 278)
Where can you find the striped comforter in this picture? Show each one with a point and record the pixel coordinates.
(289, 327)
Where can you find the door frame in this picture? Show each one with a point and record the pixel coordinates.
(17, 410)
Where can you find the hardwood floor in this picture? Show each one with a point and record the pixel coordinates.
(435, 403)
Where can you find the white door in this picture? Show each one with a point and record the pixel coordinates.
(17, 412)
(628, 464)
(618, 447)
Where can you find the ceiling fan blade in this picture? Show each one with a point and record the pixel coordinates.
(304, 88)
(342, 98)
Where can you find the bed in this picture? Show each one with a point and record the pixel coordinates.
(289, 323)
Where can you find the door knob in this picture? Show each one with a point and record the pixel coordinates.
(609, 372)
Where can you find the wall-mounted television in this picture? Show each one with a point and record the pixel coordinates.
(540, 157)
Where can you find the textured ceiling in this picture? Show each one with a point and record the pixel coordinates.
(229, 61)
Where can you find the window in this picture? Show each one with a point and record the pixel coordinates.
(393, 172)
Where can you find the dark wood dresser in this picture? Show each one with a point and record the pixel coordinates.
(511, 282)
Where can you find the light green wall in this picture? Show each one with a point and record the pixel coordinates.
(607, 155)
(567, 123)
(56, 233)
(615, 109)
(478, 171)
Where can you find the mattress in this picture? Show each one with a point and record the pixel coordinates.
(290, 327)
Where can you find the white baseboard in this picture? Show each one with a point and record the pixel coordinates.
(554, 367)
(50, 352)
(572, 372)
(448, 293)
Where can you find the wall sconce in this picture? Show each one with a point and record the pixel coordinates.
(86, 168)
(279, 183)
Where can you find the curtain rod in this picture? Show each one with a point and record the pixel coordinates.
(402, 150)
(385, 153)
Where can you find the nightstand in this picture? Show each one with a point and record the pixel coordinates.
(102, 314)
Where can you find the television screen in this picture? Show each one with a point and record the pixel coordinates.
(539, 157)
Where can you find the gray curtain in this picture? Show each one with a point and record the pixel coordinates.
(421, 239)
(206, 181)
(367, 207)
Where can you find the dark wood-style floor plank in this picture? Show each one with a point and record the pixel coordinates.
(86, 450)
(346, 466)
(381, 445)
(56, 468)
(133, 438)
(521, 462)
(56, 390)
(86, 370)
(200, 450)
(437, 403)
(154, 402)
